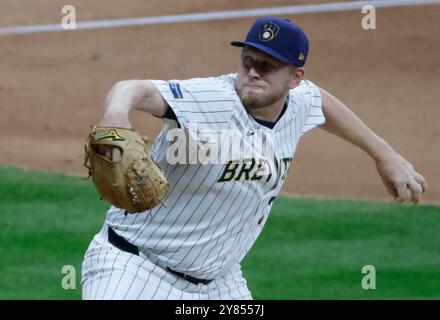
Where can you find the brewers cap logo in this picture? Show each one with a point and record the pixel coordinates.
(269, 31)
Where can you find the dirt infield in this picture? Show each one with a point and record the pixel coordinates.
(52, 85)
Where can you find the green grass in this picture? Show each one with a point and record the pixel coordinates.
(313, 249)
(47, 222)
(309, 249)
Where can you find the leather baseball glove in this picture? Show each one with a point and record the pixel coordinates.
(133, 182)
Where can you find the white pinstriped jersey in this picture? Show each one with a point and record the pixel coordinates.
(215, 212)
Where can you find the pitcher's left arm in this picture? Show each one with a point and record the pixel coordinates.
(398, 175)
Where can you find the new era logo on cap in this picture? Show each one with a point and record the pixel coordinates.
(279, 38)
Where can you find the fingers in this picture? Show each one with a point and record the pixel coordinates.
(391, 190)
(421, 180)
(404, 197)
(410, 191)
(110, 152)
(403, 193)
(116, 154)
(102, 150)
(416, 190)
(399, 199)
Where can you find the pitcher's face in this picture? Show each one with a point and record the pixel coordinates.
(262, 80)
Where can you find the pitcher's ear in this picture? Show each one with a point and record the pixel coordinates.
(297, 74)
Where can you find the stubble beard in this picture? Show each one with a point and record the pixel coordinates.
(256, 101)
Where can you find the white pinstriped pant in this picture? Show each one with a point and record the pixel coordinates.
(109, 273)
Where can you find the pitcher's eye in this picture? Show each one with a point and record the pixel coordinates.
(247, 62)
(266, 66)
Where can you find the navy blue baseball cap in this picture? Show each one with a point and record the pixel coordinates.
(279, 38)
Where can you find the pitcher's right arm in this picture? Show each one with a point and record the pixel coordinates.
(128, 95)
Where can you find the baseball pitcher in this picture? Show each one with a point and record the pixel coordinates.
(186, 210)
